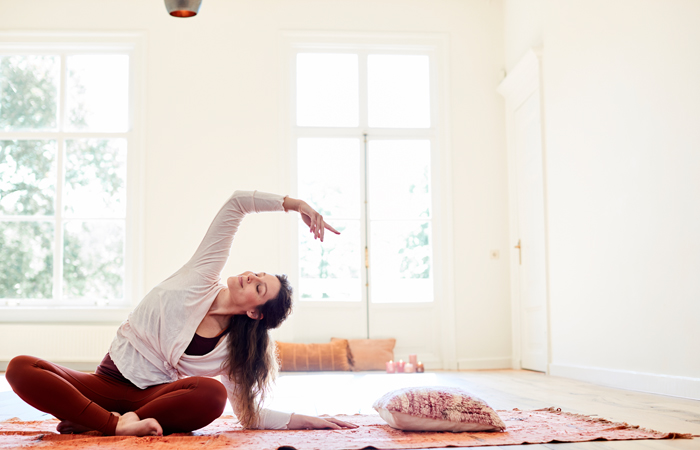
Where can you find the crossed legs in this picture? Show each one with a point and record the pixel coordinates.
(98, 402)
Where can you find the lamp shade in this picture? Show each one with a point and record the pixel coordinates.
(183, 8)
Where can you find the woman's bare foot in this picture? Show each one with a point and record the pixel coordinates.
(68, 427)
(131, 425)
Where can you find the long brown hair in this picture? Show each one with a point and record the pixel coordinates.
(252, 363)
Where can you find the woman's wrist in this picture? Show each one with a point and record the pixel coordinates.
(296, 422)
(291, 204)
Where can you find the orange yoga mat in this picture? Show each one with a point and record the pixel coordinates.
(523, 427)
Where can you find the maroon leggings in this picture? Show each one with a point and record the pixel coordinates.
(87, 398)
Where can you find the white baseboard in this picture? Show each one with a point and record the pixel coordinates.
(636, 381)
(485, 363)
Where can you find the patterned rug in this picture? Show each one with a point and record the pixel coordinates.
(523, 427)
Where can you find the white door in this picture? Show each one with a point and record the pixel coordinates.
(531, 231)
(375, 280)
(363, 139)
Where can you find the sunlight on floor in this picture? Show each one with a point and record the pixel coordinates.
(4, 385)
(340, 393)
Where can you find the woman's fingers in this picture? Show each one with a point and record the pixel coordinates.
(332, 425)
(320, 226)
(317, 232)
(341, 423)
(299, 421)
(311, 223)
(310, 218)
(328, 227)
(313, 220)
(319, 424)
(335, 424)
(306, 220)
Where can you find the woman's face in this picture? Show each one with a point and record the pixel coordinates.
(250, 290)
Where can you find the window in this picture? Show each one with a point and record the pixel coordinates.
(65, 137)
(364, 130)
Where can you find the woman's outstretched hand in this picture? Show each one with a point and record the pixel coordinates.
(302, 422)
(311, 218)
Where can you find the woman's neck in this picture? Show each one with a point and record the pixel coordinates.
(223, 305)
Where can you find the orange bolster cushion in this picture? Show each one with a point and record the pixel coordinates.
(369, 354)
(312, 357)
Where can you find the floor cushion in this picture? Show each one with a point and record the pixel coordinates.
(437, 409)
(312, 357)
(369, 354)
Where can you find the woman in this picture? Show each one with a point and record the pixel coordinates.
(156, 377)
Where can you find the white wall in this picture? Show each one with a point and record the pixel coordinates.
(212, 123)
(523, 21)
(622, 115)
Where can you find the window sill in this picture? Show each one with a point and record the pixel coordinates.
(66, 314)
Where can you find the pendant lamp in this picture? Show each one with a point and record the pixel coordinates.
(183, 8)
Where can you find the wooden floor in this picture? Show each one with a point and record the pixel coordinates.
(353, 393)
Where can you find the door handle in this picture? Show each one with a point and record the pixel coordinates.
(520, 252)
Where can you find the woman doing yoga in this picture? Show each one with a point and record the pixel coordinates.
(155, 378)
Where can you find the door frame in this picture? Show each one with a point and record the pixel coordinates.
(523, 81)
(445, 354)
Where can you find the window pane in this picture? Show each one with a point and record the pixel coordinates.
(27, 177)
(399, 179)
(329, 176)
(28, 92)
(95, 178)
(400, 262)
(98, 92)
(398, 91)
(330, 270)
(327, 90)
(93, 260)
(26, 259)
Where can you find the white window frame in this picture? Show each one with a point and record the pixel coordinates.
(62, 43)
(437, 46)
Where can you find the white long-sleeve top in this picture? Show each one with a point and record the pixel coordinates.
(149, 347)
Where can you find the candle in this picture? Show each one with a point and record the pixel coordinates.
(420, 368)
(413, 359)
(390, 367)
(409, 368)
(399, 366)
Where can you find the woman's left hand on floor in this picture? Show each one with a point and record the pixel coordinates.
(302, 422)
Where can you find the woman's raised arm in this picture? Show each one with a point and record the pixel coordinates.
(213, 252)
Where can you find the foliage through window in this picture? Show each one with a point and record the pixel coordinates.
(364, 136)
(63, 146)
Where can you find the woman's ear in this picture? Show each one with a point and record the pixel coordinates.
(255, 314)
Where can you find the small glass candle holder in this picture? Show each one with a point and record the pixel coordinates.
(399, 366)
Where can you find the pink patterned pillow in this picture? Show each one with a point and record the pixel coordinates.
(437, 409)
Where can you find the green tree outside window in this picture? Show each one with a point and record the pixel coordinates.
(93, 252)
